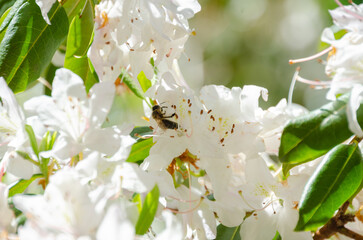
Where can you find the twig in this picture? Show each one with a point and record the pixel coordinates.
(336, 224)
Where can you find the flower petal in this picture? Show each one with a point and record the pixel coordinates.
(352, 107)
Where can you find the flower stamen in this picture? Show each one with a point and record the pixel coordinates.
(293, 61)
(348, 11)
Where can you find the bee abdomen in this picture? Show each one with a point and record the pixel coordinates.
(170, 124)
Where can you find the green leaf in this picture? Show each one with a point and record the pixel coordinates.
(148, 211)
(44, 143)
(141, 131)
(228, 233)
(52, 140)
(78, 41)
(137, 199)
(32, 139)
(144, 82)
(73, 7)
(20, 186)
(338, 34)
(30, 43)
(80, 33)
(48, 75)
(277, 236)
(3, 17)
(27, 157)
(43, 166)
(11, 14)
(5, 5)
(140, 150)
(336, 180)
(311, 136)
(130, 83)
(20, 220)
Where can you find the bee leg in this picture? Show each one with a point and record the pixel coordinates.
(161, 108)
(172, 115)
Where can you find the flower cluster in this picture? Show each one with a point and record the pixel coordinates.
(210, 158)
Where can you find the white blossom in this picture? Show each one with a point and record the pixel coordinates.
(6, 214)
(129, 33)
(67, 209)
(116, 223)
(12, 120)
(77, 116)
(45, 6)
(274, 204)
(218, 122)
(12, 135)
(345, 62)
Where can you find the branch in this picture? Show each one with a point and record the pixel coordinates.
(336, 224)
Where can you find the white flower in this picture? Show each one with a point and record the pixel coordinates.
(66, 209)
(6, 214)
(116, 224)
(173, 227)
(129, 33)
(274, 204)
(218, 122)
(12, 120)
(77, 116)
(355, 100)
(12, 135)
(198, 219)
(349, 17)
(45, 6)
(274, 120)
(345, 62)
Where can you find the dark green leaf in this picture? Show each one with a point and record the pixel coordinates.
(2, 34)
(130, 83)
(140, 150)
(5, 5)
(148, 211)
(30, 43)
(11, 14)
(337, 179)
(20, 186)
(91, 80)
(311, 136)
(49, 75)
(228, 233)
(32, 139)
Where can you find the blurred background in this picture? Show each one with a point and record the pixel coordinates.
(242, 42)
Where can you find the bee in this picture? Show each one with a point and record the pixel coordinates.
(162, 121)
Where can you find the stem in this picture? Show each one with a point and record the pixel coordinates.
(350, 233)
(356, 139)
(336, 224)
